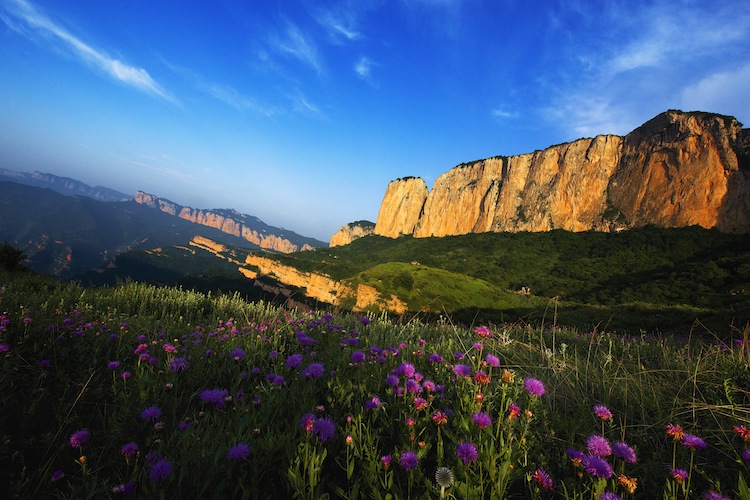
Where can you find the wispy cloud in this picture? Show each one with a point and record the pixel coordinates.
(222, 92)
(297, 45)
(25, 18)
(302, 105)
(631, 61)
(722, 92)
(363, 68)
(501, 114)
(340, 24)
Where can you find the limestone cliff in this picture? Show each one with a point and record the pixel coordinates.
(351, 232)
(232, 222)
(678, 169)
(401, 207)
(323, 288)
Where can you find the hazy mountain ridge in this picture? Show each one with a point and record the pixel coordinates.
(68, 235)
(229, 221)
(678, 169)
(63, 185)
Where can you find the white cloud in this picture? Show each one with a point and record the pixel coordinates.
(295, 44)
(363, 69)
(723, 92)
(501, 114)
(35, 24)
(339, 23)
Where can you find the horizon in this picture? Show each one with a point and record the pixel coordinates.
(300, 115)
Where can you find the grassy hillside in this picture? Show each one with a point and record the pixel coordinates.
(162, 393)
(666, 277)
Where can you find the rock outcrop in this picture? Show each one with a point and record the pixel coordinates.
(323, 288)
(678, 169)
(351, 232)
(401, 207)
(232, 222)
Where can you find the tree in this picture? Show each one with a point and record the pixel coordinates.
(10, 258)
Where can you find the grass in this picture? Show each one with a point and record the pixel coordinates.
(181, 394)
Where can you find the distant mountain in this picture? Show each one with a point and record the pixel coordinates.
(229, 221)
(69, 235)
(63, 185)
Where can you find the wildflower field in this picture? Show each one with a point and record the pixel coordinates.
(150, 392)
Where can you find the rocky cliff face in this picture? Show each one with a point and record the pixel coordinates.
(232, 222)
(351, 232)
(677, 169)
(322, 287)
(401, 207)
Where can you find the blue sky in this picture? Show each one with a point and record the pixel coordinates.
(301, 112)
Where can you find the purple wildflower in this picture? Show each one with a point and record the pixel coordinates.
(306, 422)
(598, 446)
(492, 360)
(391, 380)
(714, 495)
(745, 455)
(405, 369)
(597, 466)
(544, 480)
(125, 375)
(534, 387)
(57, 475)
(113, 365)
(608, 495)
(386, 459)
(482, 420)
(602, 412)
(364, 320)
(151, 413)
(214, 396)
(435, 358)
(161, 470)
(408, 460)
(624, 452)
(373, 403)
(693, 442)
(237, 354)
(129, 450)
(358, 357)
(124, 489)
(313, 370)
(679, 475)
(178, 365)
(4, 348)
(324, 428)
(240, 451)
(462, 370)
(79, 438)
(575, 455)
(467, 452)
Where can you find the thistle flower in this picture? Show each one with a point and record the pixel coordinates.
(313, 370)
(481, 378)
(507, 376)
(324, 428)
(151, 413)
(113, 365)
(386, 459)
(294, 361)
(679, 475)
(307, 421)
(467, 452)
(598, 446)
(693, 442)
(743, 432)
(237, 354)
(492, 360)
(714, 495)
(534, 387)
(129, 449)
(576, 456)
(745, 455)
(178, 365)
(373, 403)
(513, 411)
(462, 370)
(444, 477)
(543, 479)
(439, 417)
(482, 420)
(624, 452)
(602, 412)
(408, 460)
(597, 466)
(57, 475)
(214, 396)
(608, 495)
(435, 358)
(358, 357)
(161, 470)
(79, 438)
(675, 431)
(240, 451)
(420, 403)
(483, 331)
